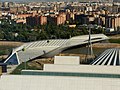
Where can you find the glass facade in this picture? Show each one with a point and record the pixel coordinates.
(71, 74)
(12, 60)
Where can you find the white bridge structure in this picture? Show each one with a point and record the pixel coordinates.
(49, 48)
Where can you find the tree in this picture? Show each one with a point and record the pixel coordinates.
(1, 35)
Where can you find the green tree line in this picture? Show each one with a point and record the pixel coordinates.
(11, 31)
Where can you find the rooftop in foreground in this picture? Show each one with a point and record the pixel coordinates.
(65, 74)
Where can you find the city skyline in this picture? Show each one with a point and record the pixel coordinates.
(56, 17)
(56, 0)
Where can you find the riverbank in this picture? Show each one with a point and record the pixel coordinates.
(106, 45)
(115, 36)
(6, 47)
(10, 43)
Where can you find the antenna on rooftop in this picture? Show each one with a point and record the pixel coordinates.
(90, 49)
(89, 41)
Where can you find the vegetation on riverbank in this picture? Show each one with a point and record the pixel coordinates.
(33, 65)
(6, 48)
(21, 67)
(114, 41)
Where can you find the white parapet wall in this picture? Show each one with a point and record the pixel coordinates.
(82, 69)
(72, 60)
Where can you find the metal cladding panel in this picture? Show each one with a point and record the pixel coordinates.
(75, 60)
(108, 57)
(27, 82)
(29, 54)
(12, 60)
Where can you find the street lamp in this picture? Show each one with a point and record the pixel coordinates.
(25, 60)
